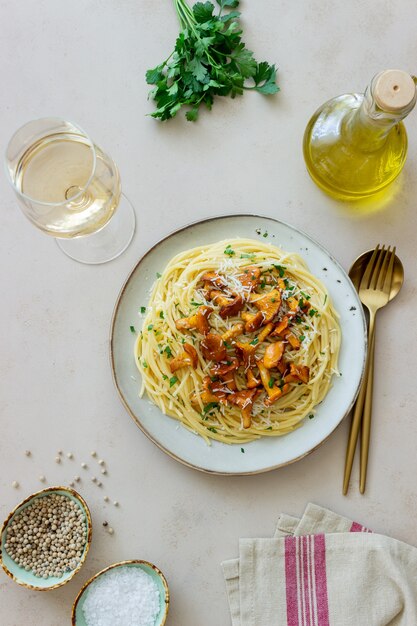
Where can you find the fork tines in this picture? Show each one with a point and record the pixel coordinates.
(378, 273)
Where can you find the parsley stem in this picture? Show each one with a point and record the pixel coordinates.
(187, 19)
(185, 14)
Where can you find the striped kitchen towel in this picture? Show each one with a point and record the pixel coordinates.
(322, 570)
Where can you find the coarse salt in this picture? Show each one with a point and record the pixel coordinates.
(124, 596)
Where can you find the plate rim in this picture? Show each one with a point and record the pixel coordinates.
(111, 348)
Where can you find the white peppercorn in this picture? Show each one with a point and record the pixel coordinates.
(35, 536)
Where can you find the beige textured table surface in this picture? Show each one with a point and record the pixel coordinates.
(86, 60)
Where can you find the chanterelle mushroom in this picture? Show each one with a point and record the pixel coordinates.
(298, 373)
(199, 321)
(253, 322)
(273, 354)
(226, 372)
(233, 332)
(281, 327)
(268, 304)
(244, 400)
(212, 392)
(214, 278)
(186, 358)
(213, 348)
(251, 380)
(247, 352)
(249, 277)
(273, 392)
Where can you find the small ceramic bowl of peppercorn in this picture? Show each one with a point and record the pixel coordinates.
(45, 539)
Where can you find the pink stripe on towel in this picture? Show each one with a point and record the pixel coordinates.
(306, 557)
(321, 580)
(291, 581)
(358, 528)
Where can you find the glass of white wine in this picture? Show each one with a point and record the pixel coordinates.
(70, 189)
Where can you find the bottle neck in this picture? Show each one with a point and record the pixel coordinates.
(369, 125)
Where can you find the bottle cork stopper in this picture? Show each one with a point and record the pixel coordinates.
(394, 90)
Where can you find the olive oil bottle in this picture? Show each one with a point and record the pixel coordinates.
(355, 145)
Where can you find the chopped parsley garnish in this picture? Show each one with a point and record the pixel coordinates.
(310, 417)
(242, 450)
(172, 381)
(227, 344)
(265, 234)
(269, 428)
(229, 251)
(132, 329)
(254, 341)
(144, 363)
(248, 255)
(168, 351)
(312, 312)
(182, 339)
(305, 296)
(298, 319)
(263, 284)
(161, 315)
(143, 309)
(325, 299)
(213, 430)
(281, 270)
(158, 275)
(301, 303)
(164, 377)
(150, 326)
(196, 303)
(302, 337)
(210, 406)
(271, 383)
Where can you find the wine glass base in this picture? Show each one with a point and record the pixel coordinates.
(107, 243)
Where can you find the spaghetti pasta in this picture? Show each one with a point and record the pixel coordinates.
(264, 357)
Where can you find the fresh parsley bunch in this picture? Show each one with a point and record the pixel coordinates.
(209, 60)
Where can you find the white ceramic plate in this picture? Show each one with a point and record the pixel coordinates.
(264, 454)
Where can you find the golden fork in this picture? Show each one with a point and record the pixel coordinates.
(374, 293)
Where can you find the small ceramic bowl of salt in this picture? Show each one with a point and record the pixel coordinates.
(129, 593)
